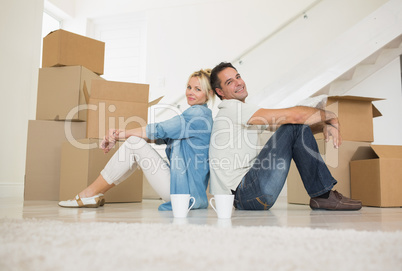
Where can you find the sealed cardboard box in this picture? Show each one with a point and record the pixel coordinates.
(117, 105)
(42, 168)
(337, 161)
(355, 115)
(61, 93)
(81, 163)
(63, 48)
(377, 180)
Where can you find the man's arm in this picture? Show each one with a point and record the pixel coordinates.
(294, 115)
(314, 117)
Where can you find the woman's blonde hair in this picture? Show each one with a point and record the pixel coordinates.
(203, 76)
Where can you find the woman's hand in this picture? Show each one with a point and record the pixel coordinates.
(109, 140)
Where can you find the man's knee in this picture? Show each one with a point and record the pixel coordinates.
(298, 128)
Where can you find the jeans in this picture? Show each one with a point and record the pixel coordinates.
(260, 187)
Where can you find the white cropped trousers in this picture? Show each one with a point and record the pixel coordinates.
(136, 152)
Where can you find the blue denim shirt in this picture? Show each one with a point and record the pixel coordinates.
(187, 137)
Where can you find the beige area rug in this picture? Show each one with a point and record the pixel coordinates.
(53, 245)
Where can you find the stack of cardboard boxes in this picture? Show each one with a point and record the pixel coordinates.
(361, 174)
(75, 109)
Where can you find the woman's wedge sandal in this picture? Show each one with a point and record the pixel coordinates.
(91, 202)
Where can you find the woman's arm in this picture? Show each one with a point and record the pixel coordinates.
(138, 132)
(109, 140)
(174, 128)
(177, 127)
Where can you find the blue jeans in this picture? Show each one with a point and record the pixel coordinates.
(261, 186)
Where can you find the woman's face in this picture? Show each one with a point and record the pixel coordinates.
(194, 93)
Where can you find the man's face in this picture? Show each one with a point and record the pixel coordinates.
(232, 85)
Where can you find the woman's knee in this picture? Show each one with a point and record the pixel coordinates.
(135, 142)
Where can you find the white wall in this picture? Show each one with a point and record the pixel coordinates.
(188, 35)
(20, 30)
(386, 84)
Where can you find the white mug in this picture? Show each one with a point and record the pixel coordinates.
(180, 203)
(224, 205)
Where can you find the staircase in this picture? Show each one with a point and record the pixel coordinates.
(364, 69)
(338, 67)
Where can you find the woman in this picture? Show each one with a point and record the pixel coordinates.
(187, 138)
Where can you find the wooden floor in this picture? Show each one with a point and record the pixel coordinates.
(282, 215)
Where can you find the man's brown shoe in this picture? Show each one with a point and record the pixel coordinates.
(335, 201)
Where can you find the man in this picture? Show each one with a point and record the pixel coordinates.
(257, 177)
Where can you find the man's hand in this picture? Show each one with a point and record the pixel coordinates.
(333, 130)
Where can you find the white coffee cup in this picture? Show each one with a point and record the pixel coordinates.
(224, 205)
(180, 203)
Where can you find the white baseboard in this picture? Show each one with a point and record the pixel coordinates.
(11, 190)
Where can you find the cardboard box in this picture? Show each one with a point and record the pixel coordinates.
(61, 91)
(355, 115)
(377, 180)
(81, 164)
(63, 48)
(42, 168)
(337, 161)
(117, 105)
